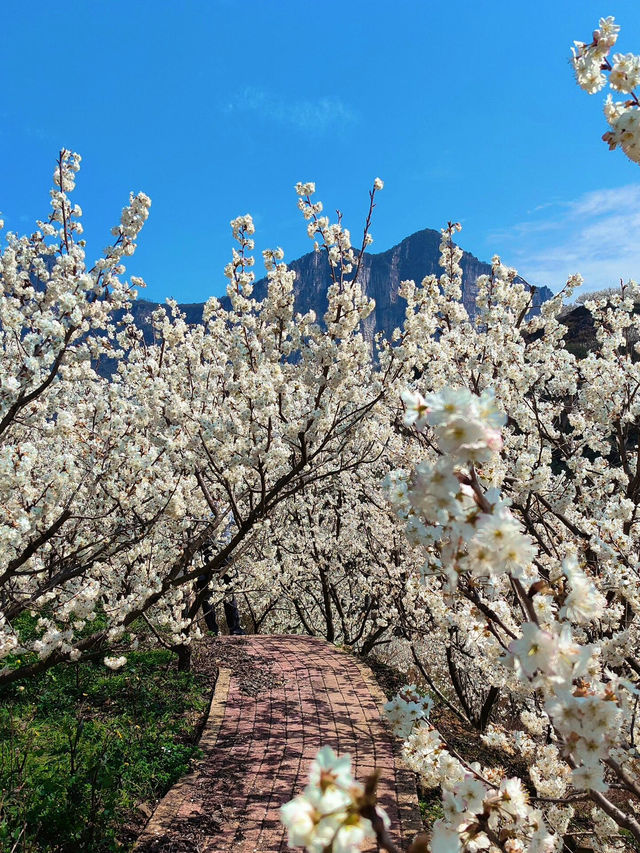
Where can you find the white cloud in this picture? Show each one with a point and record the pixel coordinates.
(596, 235)
(308, 115)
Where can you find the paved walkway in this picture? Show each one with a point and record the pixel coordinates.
(278, 699)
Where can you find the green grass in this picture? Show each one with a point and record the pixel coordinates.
(430, 806)
(81, 747)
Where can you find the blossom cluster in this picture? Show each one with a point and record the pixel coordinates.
(591, 64)
(407, 708)
(327, 815)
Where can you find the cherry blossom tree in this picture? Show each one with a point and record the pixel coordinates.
(197, 439)
(340, 562)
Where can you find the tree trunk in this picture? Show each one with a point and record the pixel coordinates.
(184, 658)
(326, 599)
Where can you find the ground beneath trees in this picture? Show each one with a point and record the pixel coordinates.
(278, 699)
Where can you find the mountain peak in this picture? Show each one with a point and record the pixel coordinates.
(380, 275)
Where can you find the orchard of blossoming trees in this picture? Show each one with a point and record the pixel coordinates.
(464, 496)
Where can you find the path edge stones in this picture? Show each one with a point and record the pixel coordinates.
(167, 809)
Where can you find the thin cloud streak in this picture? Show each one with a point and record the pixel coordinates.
(308, 115)
(595, 235)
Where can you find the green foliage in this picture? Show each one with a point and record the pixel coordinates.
(430, 802)
(81, 747)
(629, 839)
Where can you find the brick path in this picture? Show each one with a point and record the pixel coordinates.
(278, 699)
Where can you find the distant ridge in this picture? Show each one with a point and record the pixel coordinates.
(380, 276)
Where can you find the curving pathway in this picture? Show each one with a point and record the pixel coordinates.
(278, 699)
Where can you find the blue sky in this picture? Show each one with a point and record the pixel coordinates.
(467, 110)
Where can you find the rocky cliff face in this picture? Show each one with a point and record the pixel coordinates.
(380, 275)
